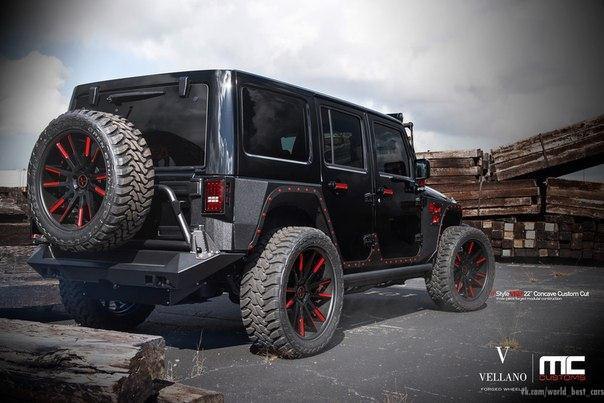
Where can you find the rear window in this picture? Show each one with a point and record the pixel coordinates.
(175, 127)
(274, 125)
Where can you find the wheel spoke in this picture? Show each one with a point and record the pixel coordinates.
(65, 155)
(87, 145)
(289, 303)
(53, 184)
(309, 319)
(90, 204)
(98, 190)
(480, 261)
(74, 150)
(323, 295)
(80, 222)
(97, 152)
(316, 312)
(101, 176)
(69, 208)
(301, 262)
(56, 205)
(470, 247)
(300, 322)
(56, 170)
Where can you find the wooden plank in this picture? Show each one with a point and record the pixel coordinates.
(581, 212)
(452, 163)
(490, 193)
(497, 202)
(574, 202)
(502, 211)
(472, 153)
(17, 292)
(511, 184)
(456, 171)
(42, 362)
(439, 180)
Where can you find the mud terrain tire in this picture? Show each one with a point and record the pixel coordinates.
(121, 201)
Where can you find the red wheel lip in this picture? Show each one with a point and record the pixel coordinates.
(477, 263)
(309, 312)
(66, 174)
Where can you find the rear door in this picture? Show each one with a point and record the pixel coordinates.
(398, 210)
(346, 178)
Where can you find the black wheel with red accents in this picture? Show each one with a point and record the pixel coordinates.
(90, 181)
(292, 292)
(464, 270)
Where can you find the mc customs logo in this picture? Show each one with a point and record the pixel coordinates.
(556, 368)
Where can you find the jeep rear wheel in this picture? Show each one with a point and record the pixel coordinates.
(101, 314)
(90, 181)
(292, 292)
(464, 270)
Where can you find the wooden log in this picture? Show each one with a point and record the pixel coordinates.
(179, 393)
(472, 153)
(574, 198)
(496, 202)
(453, 180)
(42, 362)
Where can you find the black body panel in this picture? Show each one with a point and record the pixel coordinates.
(379, 222)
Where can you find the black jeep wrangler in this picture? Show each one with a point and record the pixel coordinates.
(176, 188)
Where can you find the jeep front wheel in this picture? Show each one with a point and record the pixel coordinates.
(292, 292)
(464, 270)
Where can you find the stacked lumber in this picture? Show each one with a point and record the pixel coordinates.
(43, 362)
(553, 153)
(509, 198)
(558, 237)
(584, 199)
(456, 166)
(20, 285)
(14, 227)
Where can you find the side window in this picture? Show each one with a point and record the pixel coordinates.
(390, 149)
(274, 125)
(342, 138)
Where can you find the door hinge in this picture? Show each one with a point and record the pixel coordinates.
(418, 202)
(370, 198)
(369, 240)
(419, 238)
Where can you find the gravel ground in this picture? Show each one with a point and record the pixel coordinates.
(392, 344)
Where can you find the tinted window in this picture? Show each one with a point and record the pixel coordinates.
(274, 125)
(174, 126)
(390, 150)
(342, 138)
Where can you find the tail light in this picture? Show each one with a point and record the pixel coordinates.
(435, 211)
(214, 190)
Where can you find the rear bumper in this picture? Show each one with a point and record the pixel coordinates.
(145, 276)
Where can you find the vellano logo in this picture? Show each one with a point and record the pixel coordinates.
(502, 376)
(566, 371)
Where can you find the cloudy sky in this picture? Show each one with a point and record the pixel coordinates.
(468, 73)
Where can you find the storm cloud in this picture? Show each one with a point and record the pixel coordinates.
(469, 74)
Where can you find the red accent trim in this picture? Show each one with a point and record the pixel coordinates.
(318, 265)
(52, 170)
(435, 210)
(99, 191)
(480, 261)
(53, 184)
(101, 176)
(301, 330)
(87, 147)
(324, 295)
(388, 192)
(80, 216)
(96, 154)
(301, 262)
(63, 152)
(340, 186)
(57, 204)
(289, 303)
(470, 247)
(318, 314)
(421, 183)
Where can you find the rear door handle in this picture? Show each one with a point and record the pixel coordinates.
(338, 186)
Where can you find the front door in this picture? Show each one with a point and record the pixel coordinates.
(346, 179)
(398, 210)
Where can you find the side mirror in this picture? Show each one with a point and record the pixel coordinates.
(422, 169)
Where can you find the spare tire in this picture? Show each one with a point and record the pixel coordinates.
(90, 181)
